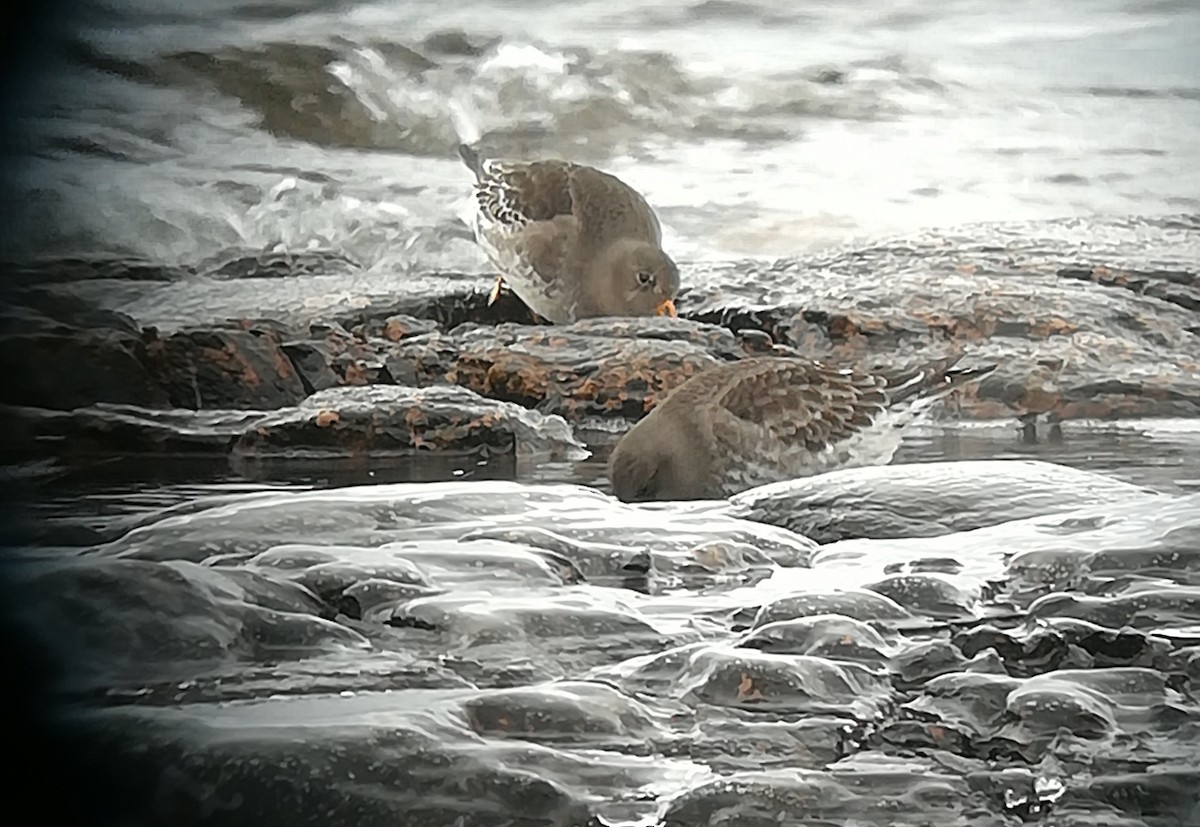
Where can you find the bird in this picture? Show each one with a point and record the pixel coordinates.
(765, 419)
(571, 242)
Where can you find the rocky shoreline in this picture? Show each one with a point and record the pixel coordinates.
(1079, 333)
(982, 643)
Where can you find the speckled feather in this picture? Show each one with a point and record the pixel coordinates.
(760, 420)
(538, 222)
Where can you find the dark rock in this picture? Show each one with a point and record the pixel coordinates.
(312, 364)
(78, 368)
(595, 368)
(394, 420)
(215, 368)
(280, 264)
(417, 771)
(898, 795)
(928, 595)
(134, 621)
(100, 267)
(123, 429)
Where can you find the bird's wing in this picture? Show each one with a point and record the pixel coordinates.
(515, 194)
(607, 209)
(795, 401)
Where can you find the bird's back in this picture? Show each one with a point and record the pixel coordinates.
(772, 418)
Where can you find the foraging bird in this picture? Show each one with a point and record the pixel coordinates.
(761, 420)
(572, 242)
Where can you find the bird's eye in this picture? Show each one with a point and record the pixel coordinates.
(645, 278)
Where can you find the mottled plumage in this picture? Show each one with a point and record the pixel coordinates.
(761, 420)
(572, 242)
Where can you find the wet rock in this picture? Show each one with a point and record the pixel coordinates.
(551, 633)
(732, 743)
(215, 368)
(593, 368)
(75, 368)
(831, 636)
(375, 765)
(1061, 643)
(430, 564)
(926, 499)
(605, 542)
(857, 604)
(1143, 523)
(375, 598)
(105, 429)
(1141, 608)
(1088, 703)
(902, 795)
(279, 264)
(387, 420)
(98, 267)
(928, 595)
(571, 711)
(1107, 339)
(806, 684)
(132, 621)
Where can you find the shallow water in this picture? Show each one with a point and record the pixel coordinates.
(103, 496)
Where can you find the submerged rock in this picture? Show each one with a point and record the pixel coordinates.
(926, 499)
(126, 429)
(377, 765)
(404, 634)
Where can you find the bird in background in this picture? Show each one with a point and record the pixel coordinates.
(761, 420)
(571, 242)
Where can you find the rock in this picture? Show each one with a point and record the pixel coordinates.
(163, 622)
(926, 499)
(378, 765)
(389, 420)
(122, 429)
(215, 368)
(595, 368)
(1115, 337)
(1090, 319)
(902, 795)
(278, 264)
(76, 368)
(99, 267)
(566, 710)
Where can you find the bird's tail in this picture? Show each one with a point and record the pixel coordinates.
(470, 157)
(916, 390)
(467, 130)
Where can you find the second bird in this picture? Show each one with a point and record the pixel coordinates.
(762, 420)
(572, 242)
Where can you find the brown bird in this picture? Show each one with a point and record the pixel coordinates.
(761, 420)
(572, 242)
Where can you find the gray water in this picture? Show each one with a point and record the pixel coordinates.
(755, 128)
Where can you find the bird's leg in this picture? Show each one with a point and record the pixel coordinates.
(495, 294)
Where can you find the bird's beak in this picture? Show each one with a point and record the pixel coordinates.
(667, 308)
